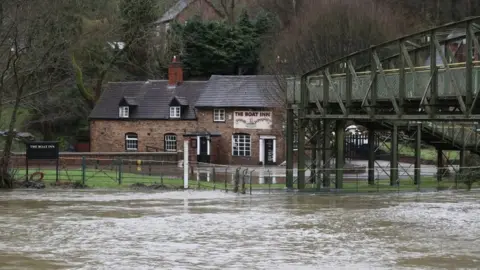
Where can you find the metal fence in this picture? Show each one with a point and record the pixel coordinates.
(127, 173)
(152, 174)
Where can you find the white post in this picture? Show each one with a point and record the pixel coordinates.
(185, 163)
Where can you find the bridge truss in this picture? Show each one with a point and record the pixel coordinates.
(425, 86)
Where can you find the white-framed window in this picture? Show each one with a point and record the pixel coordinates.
(170, 143)
(175, 112)
(219, 115)
(241, 145)
(123, 112)
(131, 142)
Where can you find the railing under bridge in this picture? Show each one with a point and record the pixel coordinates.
(425, 85)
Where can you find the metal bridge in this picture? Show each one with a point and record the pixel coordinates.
(424, 85)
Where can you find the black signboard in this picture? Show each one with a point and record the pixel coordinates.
(42, 150)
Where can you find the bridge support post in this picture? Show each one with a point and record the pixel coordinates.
(461, 170)
(301, 167)
(418, 144)
(440, 169)
(394, 156)
(340, 155)
(289, 134)
(371, 155)
(318, 160)
(326, 153)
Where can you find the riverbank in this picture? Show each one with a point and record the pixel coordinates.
(110, 180)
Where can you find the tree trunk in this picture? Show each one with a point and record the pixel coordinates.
(6, 180)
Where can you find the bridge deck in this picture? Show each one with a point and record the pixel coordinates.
(416, 84)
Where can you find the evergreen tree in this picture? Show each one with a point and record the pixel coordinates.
(221, 48)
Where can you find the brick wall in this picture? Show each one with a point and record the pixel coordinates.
(224, 146)
(109, 136)
(75, 159)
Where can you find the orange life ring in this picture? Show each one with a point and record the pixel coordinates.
(35, 174)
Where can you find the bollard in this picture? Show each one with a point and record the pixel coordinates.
(139, 165)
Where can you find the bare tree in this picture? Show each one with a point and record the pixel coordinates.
(228, 8)
(28, 65)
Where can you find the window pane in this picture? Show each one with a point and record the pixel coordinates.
(170, 143)
(241, 145)
(175, 112)
(131, 142)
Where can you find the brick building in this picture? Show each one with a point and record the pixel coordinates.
(227, 119)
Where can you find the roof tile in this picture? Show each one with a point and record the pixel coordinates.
(153, 98)
(258, 91)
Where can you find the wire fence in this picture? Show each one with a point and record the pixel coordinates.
(129, 173)
(430, 179)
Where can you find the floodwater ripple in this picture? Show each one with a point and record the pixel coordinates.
(216, 230)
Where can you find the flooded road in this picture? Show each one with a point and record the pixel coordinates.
(214, 230)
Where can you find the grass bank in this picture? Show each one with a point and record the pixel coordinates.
(110, 180)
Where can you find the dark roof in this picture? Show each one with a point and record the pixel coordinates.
(179, 6)
(182, 101)
(153, 98)
(260, 91)
(131, 101)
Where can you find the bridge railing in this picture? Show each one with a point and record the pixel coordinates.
(416, 84)
(460, 134)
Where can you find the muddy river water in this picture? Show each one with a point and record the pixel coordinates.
(215, 230)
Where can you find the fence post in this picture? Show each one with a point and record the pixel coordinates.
(251, 177)
(84, 165)
(120, 163)
(213, 177)
(225, 180)
(269, 180)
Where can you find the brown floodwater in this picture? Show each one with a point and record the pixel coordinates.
(54, 229)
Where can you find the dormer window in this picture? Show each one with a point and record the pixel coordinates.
(123, 112)
(175, 111)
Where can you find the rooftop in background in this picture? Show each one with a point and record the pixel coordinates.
(258, 91)
(180, 6)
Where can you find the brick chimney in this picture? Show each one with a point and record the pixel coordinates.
(175, 73)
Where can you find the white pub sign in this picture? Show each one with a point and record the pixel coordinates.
(252, 120)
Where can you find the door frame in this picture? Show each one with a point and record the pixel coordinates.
(262, 148)
(198, 145)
